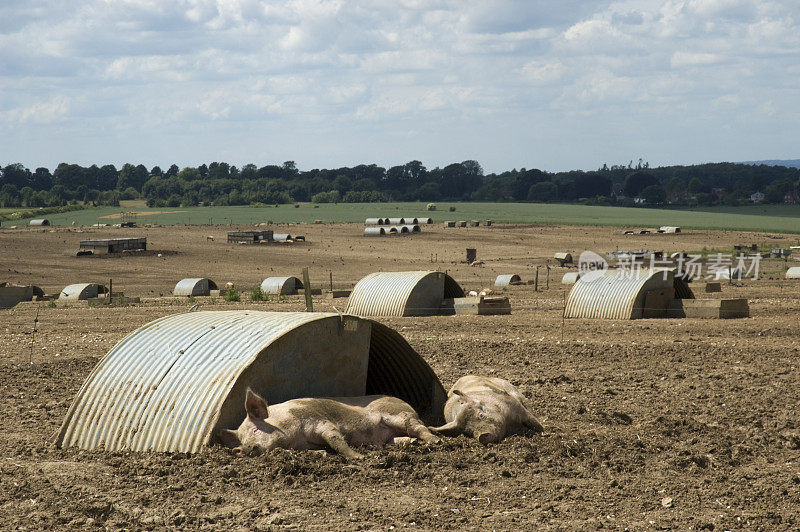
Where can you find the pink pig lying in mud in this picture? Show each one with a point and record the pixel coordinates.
(326, 423)
(487, 408)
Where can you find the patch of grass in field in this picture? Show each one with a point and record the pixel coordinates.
(779, 218)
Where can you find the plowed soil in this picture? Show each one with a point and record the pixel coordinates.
(650, 424)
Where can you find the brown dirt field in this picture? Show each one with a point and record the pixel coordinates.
(704, 412)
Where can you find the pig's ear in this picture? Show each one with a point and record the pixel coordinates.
(228, 438)
(255, 405)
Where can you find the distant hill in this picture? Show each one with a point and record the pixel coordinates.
(789, 163)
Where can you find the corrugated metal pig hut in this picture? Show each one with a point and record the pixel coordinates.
(402, 294)
(281, 285)
(198, 286)
(625, 294)
(168, 385)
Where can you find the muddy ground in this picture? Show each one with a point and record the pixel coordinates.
(650, 424)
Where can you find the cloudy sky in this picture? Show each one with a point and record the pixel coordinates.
(550, 84)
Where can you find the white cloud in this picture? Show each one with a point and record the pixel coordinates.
(335, 74)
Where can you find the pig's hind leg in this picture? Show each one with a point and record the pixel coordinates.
(334, 439)
(408, 425)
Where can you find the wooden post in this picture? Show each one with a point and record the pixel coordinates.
(110, 288)
(307, 286)
(331, 273)
(536, 282)
(548, 277)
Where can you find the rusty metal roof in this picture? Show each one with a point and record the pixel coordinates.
(167, 385)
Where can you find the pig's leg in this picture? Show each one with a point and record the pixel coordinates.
(410, 426)
(531, 422)
(334, 439)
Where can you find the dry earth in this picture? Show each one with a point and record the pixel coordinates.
(650, 424)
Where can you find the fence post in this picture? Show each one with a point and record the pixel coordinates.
(307, 286)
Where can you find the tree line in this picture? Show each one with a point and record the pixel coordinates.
(220, 183)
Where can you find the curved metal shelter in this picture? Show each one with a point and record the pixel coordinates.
(411, 228)
(507, 279)
(281, 237)
(570, 278)
(417, 293)
(285, 286)
(80, 291)
(198, 286)
(617, 294)
(374, 231)
(11, 294)
(374, 221)
(793, 272)
(168, 385)
(40, 221)
(396, 221)
(425, 221)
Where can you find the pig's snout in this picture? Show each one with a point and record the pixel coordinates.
(486, 438)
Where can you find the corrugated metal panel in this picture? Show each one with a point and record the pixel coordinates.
(10, 295)
(166, 386)
(506, 279)
(162, 386)
(198, 286)
(374, 231)
(281, 285)
(614, 294)
(75, 292)
(396, 369)
(417, 293)
(793, 272)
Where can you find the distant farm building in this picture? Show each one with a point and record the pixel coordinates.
(669, 229)
(82, 291)
(286, 237)
(196, 286)
(417, 293)
(114, 245)
(250, 237)
(281, 285)
(40, 221)
(376, 221)
(570, 278)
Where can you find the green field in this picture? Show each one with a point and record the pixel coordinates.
(780, 218)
